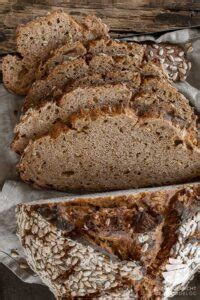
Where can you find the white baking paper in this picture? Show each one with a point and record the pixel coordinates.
(14, 191)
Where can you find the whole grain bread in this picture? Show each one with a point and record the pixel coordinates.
(108, 149)
(155, 96)
(130, 229)
(17, 76)
(94, 47)
(38, 121)
(42, 35)
(39, 38)
(60, 77)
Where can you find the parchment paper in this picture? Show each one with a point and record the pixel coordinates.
(14, 191)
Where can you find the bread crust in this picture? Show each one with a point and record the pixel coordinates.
(151, 214)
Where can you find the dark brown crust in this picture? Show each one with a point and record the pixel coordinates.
(174, 205)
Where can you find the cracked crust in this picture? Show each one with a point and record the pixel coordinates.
(160, 265)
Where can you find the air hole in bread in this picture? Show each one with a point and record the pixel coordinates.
(178, 142)
(68, 173)
(126, 172)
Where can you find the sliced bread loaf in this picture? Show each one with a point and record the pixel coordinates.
(110, 149)
(150, 98)
(95, 47)
(38, 121)
(125, 237)
(55, 83)
(39, 38)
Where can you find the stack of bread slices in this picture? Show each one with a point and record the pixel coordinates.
(98, 115)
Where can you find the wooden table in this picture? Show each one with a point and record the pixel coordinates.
(124, 18)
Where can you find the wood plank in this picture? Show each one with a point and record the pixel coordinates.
(123, 17)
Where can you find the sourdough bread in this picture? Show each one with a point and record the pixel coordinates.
(17, 77)
(39, 38)
(155, 96)
(110, 149)
(42, 35)
(95, 47)
(60, 77)
(114, 242)
(38, 121)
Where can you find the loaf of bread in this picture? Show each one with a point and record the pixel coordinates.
(111, 148)
(39, 38)
(130, 244)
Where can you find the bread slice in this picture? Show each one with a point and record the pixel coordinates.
(38, 121)
(53, 85)
(39, 38)
(116, 48)
(64, 53)
(119, 244)
(17, 76)
(94, 47)
(42, 35)
(56, 82)
(155, 96)
(110, 149)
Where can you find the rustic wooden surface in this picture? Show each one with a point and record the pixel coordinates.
(123, 17)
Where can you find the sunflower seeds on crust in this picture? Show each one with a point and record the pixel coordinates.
(172, 57)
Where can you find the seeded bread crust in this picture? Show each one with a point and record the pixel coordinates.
(39, 38)
(129, 153)
(49, 232)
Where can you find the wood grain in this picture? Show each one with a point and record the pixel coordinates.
(123, 17)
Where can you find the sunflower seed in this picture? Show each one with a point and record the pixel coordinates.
(173, 68)
(189, 65)
(183, 71)
(145, 247)
(161, 51)
(181, 53)
(108, 222)
(23, 265)
(190, 49)
(151, 53)
(14, 253)
(170, 51)
(171, 58)
(155, 46)
(175, 76)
